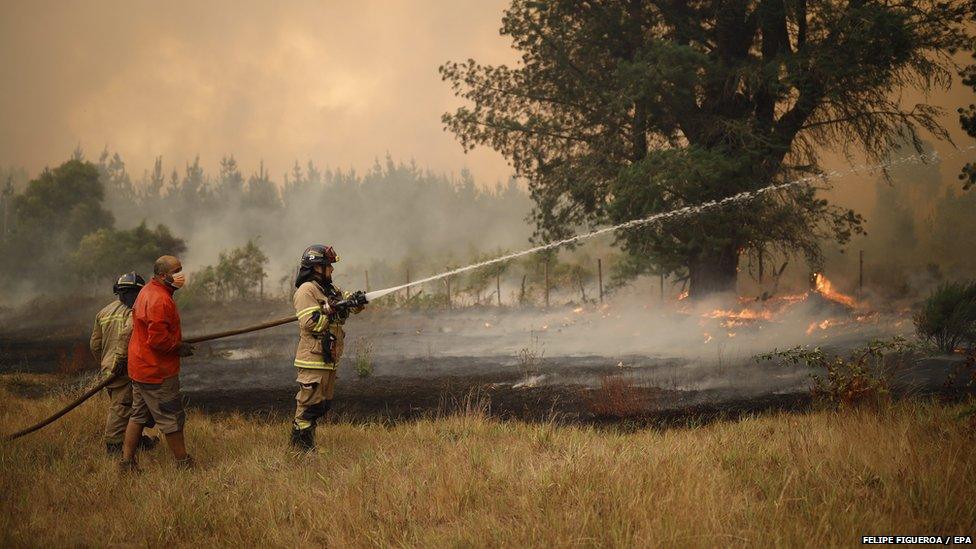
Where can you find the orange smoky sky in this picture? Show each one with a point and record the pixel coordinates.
(340, 83)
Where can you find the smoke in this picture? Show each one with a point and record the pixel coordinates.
(631, 324)
(669, 344)
(917, 219)
(393, 218)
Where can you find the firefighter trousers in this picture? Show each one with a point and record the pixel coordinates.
(119, 409)
(316, 389)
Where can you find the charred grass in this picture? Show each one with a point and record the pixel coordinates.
(823, 478)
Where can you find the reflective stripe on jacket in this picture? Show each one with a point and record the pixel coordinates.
(156, 334)
(110, 335)
(312, 309)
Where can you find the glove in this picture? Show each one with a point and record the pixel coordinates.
(358, 299)
(121, 367)
(184, 349)
(355, 300)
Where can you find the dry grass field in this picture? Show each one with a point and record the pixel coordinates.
(817, 479)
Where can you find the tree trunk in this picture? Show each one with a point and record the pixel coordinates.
(713, 272)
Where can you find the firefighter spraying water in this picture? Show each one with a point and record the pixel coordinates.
(321, 309)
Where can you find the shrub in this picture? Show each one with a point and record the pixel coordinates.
(530, 358)
(948, 316)
(859, 378)
(616, 397)
(238, 273)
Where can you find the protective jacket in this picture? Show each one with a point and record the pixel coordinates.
(110, 335)
(320, 333)
(156, 334)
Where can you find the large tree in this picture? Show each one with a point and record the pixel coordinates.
(49, 219)
(620, 109)
(967, 117)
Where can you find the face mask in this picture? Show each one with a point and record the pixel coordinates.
(176, 280)
(128, 297)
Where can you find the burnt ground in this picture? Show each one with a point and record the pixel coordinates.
(513, 365)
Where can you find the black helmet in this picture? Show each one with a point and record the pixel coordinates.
(128, 281)
(318, 254)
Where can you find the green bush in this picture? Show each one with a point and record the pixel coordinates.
(948, 316)
(861, 377)
(239, 273)
(106, 253)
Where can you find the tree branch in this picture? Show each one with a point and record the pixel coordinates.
(857, 116)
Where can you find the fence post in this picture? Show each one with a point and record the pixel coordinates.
(448, 281)
(547, 282)
(498, 288)
(599, 275)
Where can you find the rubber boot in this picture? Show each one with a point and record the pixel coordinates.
(303, 439)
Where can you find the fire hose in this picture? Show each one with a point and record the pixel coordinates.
(357, 299)
(105, 382)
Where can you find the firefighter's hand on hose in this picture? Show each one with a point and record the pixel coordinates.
(184, 349)
(355, 302)
(359, 301)
(121, 367)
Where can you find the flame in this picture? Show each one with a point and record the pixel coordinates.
(815, 325)
(744, 314)
(751, 314)
(731, 319)
(825, 288)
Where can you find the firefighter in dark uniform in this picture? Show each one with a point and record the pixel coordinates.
(322, 309)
